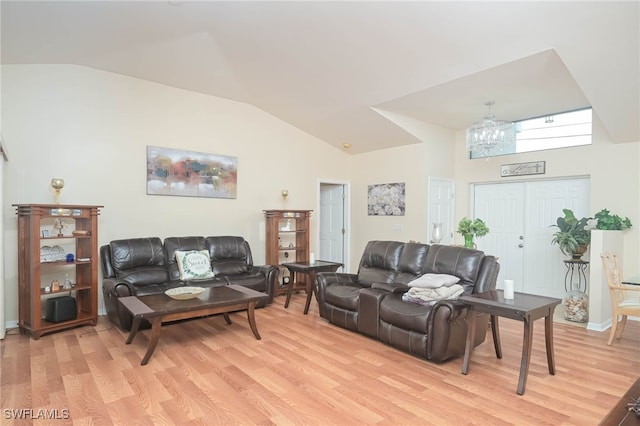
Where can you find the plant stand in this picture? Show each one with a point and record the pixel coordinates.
(576, 301)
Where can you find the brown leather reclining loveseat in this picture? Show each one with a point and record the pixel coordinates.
(142, 266)
(370, 302)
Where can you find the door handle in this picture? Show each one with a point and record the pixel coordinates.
(520, 245)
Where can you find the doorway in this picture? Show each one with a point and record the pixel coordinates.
(441, 208)
(519, 216)
(333, 229)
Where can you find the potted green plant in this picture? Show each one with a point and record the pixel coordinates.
(609, 222)
(573, 235)
(472, 228)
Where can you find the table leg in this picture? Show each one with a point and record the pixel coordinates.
(310, 286)
(495, 332)
(252, 319)
(156, 327)
(134, 329)
(468, 349)
(548, 338)
(292, 282)
(526, 355)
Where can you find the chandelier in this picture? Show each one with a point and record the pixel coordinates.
(490, 136)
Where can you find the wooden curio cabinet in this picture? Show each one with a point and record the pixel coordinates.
(287, 241)
(57, 256)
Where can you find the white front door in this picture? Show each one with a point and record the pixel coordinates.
(441, 208)
(519, 216)
(501, 206)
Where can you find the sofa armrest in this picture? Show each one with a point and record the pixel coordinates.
(326, 279)
(447, 330)
(271, 275)
(395, 288)
(117, 287)
(112, 289)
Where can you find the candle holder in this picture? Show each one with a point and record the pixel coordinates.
(57, 184)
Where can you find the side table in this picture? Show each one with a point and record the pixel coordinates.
(524, 307)
(310, 269)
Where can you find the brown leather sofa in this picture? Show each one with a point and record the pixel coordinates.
(370, 302)
(142, 266)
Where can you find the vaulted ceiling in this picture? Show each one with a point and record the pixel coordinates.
(333, 69)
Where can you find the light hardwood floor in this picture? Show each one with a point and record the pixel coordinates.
(306, 371)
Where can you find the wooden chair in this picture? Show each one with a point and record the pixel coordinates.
(625, 299)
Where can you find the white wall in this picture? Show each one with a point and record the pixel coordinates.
(3, 158)
(92, 128)
(613, 169)
(411, 164)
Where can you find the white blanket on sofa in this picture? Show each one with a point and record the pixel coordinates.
(424, 296)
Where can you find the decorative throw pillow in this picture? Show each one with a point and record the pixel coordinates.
(194, 264)
(434, 281)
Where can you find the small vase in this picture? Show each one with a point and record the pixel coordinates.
(468, 241)
(436, 234)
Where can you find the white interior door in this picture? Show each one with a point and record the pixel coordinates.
(519, 216)
(332, 223)
(441, 208)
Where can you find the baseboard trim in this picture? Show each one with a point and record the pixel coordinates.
(607, 324)
(599, 326)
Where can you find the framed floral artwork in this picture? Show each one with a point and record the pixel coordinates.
(386, 199)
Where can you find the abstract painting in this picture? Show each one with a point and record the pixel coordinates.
(386, 199)
(190, 174)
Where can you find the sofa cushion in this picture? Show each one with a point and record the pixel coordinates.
(254, 281)
(462, 262)
(194, 264)
(433, 281)
(139, 261)
(145, 275)
(343, 296)
(379, 262)
(406, 315)
(229, 255)
(229, 267)
(412, 261)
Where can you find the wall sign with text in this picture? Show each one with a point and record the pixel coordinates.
(522, 169)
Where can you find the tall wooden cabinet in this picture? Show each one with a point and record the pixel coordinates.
(57, 243)
(287, 241)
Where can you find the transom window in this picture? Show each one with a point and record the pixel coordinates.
(560, 130)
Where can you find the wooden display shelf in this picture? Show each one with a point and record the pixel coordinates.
(32, 219)
(297, 222)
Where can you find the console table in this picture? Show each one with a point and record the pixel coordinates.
(524, 307)
(310, 269)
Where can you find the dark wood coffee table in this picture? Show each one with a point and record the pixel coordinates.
(524, 307)
(620, 415)
(310, 269)
(159, 308)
